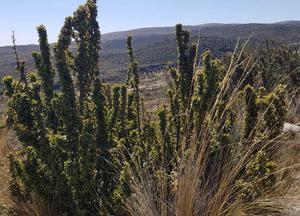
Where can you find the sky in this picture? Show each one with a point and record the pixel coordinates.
(23, 16)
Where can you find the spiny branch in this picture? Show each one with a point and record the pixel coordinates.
(20, 64)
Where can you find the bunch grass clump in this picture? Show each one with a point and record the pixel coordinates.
(91, 148)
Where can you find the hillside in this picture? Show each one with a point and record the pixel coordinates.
(156, 46)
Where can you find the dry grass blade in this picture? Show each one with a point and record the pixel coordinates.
(195, 196)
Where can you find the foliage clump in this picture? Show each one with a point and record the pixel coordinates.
(84, 145)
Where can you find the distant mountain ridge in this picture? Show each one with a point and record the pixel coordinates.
(193, 29)
(156, 46)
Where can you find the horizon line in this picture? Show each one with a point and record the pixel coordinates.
(170, 26)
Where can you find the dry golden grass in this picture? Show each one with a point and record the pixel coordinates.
(194, 195)
(4, 171)
(37, 207)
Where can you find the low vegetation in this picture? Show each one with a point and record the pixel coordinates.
(214, 145)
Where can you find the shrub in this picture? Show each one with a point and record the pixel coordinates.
(91, 147)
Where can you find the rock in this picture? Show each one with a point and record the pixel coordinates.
(291, 128)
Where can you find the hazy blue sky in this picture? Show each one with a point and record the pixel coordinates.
(115, 15)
